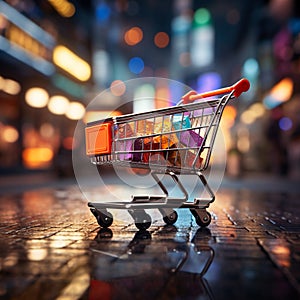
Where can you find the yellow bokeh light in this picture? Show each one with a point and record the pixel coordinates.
(10, 134)
(243, 141)
(258, 109)
(37, 97)
(75, 111)
(63, 7)
(11, 87)
(72, 63)
(248, 117)
(92, 116)
(58, 105)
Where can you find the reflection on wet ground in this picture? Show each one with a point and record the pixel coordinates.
(167, 265)
(52, 248)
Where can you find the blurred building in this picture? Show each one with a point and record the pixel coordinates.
(71, 50)
(45, 58)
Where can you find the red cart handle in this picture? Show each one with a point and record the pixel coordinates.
(238, 88)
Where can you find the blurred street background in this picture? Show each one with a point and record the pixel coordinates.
(56, 56)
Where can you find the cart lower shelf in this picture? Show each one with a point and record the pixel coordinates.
(137, 210)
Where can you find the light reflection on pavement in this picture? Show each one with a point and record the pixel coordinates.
(52, 248)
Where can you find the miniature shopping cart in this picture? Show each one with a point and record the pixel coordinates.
(168, 141)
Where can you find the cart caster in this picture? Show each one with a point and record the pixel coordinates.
(142, 220)
(202, 217)
(104, 218)
(170, 216)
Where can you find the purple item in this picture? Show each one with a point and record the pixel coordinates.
(124, 146)
(190, 138)
(124, 140)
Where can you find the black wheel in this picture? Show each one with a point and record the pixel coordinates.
(171, 218)
(104, 219)
(204, 219)
(142, 221)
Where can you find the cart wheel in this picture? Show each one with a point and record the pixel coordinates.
(203, 219)
(171, 218)
(104, 219)
(143, 221)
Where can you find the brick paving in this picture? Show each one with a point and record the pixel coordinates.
(52, 248)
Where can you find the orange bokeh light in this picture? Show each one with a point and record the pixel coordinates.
(283, 90)
(162, 97)
(37, 157)
(161, 39)
(133, 36)
(229, 116)
(118, 87)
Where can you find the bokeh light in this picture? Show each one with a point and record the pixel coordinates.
(248, 117)
(185, 59)
(118, 87)
(208, 81)
(281, 92)
(37, 157)
(37, 97)
(202, 16)
(71, 62)
(251, 68)
(10, 134)
(47, 130)
(133, 36)
(58, 105)
(10, 86)
(75, 111)
(136, 65)
(103, 12)
(285, 123)
(229, 115)
(161, 39)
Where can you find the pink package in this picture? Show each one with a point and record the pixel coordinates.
(190, 138)
(124, 140)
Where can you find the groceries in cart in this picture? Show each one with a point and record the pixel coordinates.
(172, 141)
(163, 140)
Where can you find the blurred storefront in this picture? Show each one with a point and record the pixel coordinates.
(205, 45)
(45, 74)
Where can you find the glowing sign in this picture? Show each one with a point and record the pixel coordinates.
(22, 39)
(72, 63)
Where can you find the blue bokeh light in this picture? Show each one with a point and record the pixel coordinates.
(285, 123)
(208, 81)
(103, 12)
(136, 65)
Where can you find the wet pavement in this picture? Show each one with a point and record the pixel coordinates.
(52, 247)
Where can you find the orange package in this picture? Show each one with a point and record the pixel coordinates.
(165, 137)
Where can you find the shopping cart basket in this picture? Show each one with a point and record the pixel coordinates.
(172, 141)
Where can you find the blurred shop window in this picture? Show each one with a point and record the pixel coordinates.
(39, 146)
(9, 153)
